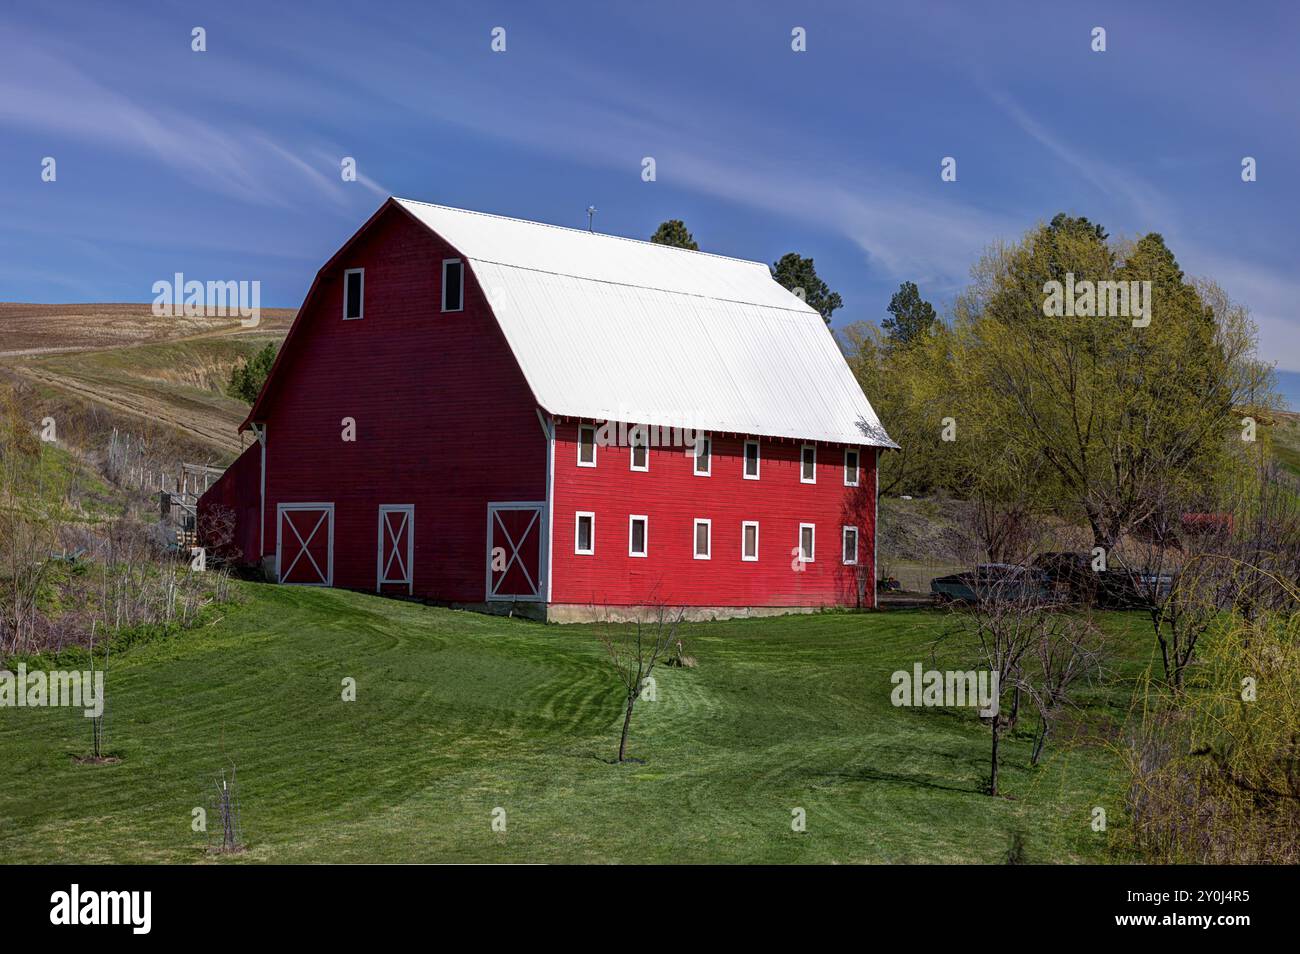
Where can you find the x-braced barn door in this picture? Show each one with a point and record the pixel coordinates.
(304, 543)
(396, 547)
(516, 552)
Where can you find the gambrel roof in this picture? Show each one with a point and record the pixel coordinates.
(610, 328)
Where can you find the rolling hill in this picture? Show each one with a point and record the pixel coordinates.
(97, 367)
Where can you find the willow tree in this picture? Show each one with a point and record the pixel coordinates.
(1100, 366)
(907, 384)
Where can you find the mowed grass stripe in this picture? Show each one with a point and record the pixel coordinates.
(457, 714)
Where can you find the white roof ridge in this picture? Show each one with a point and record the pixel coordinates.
(570, 228)
(656, 288)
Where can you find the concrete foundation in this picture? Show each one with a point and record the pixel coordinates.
(580, 613)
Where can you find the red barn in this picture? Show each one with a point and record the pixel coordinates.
(500, 414)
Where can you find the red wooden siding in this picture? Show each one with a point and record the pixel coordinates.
(236, 494)
(672, 497)
(444, 418)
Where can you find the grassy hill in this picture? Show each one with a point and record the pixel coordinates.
(458, 714)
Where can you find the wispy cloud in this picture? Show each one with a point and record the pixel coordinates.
(1117, 184)
(43, 91)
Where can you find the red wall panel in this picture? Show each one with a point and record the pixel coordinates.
(672, 496)
(237, 492)
(444, 417)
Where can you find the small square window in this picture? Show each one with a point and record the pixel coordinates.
(808, 464)
(584, 533)
(586, 445)
(850, 467)
(354, 298)
(453, 284)
(636, 535)
(703, 456)
(703, 541)
(751, 460)
(807, 542)
(850, 546)
(749, 541)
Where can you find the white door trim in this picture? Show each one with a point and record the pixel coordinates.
(382, 566)
(326, 518)
(538, 507)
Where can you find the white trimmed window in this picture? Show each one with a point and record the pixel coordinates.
(807, 542)
(586, 445)
(636, 535)
(808, 464)
(640, 452)
(584, 532)
(453, 284)
(703, 456)
(851, 466)
(354, 293)
(850, 546)
(751, 460)
(703, 539)
(749, 541)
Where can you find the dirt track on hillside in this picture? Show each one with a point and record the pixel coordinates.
(28, 330)
(198, 426)
(32, 332)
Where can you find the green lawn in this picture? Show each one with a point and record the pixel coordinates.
(458, 714)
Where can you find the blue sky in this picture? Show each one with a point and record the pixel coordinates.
(225, 164)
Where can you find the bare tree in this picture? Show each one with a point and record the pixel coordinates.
(1068, 648)
(224, 802)
(97, 722)
(1007, 626)
(1195, 558)
(634, 649)
(215, 530)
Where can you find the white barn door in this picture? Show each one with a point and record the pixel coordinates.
(396, 551)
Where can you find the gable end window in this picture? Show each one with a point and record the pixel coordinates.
(751, 460)
(851, 458)
(453, 284)
(353, 293)
(808, 464)
(586, 445)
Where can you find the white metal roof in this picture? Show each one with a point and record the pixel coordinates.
(611, 328)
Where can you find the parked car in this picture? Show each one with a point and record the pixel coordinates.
(1132, 589)
(993, 582)
(1070, 576)
(1073, 579)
